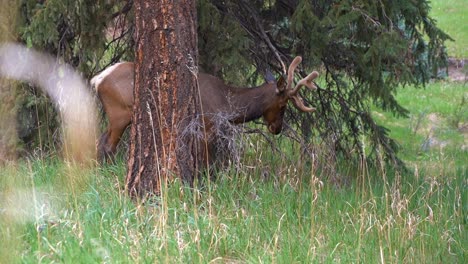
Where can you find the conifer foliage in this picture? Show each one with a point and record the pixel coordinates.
(364, 49)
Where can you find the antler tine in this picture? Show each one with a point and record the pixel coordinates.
(299, 104)
(296, 99)
(291, 69)
(307, 81)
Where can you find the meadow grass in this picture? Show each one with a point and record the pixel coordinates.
(452, 18)
(437, 125)
(269, 208)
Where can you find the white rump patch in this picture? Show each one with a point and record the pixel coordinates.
(96, 80)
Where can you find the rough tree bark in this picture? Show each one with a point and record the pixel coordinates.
(166, 95)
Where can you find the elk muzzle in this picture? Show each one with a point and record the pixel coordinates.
(275, 129)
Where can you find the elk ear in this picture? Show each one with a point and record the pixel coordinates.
(281, 85)
(269, 78)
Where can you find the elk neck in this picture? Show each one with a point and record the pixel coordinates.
(239, 104)
(250, 103)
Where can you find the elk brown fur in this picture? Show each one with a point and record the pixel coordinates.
(114, 87)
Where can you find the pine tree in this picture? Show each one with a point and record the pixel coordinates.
(366, 48)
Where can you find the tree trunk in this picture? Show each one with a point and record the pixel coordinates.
(166, 95)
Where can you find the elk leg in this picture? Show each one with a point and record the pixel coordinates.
(109, 140)
(102, 152)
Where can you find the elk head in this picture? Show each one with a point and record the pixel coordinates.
(285, 92)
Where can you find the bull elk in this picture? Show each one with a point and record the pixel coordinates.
(114, 87)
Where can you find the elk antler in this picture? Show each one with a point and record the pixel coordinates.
(291, 69)
(307, 81)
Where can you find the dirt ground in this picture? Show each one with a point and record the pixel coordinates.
(458, 70)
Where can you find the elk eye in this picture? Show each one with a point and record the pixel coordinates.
(279, 92)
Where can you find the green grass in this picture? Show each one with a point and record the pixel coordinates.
(452, 17)
(437, 124)
(240, 218)
(52, 212)
(270, 209)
